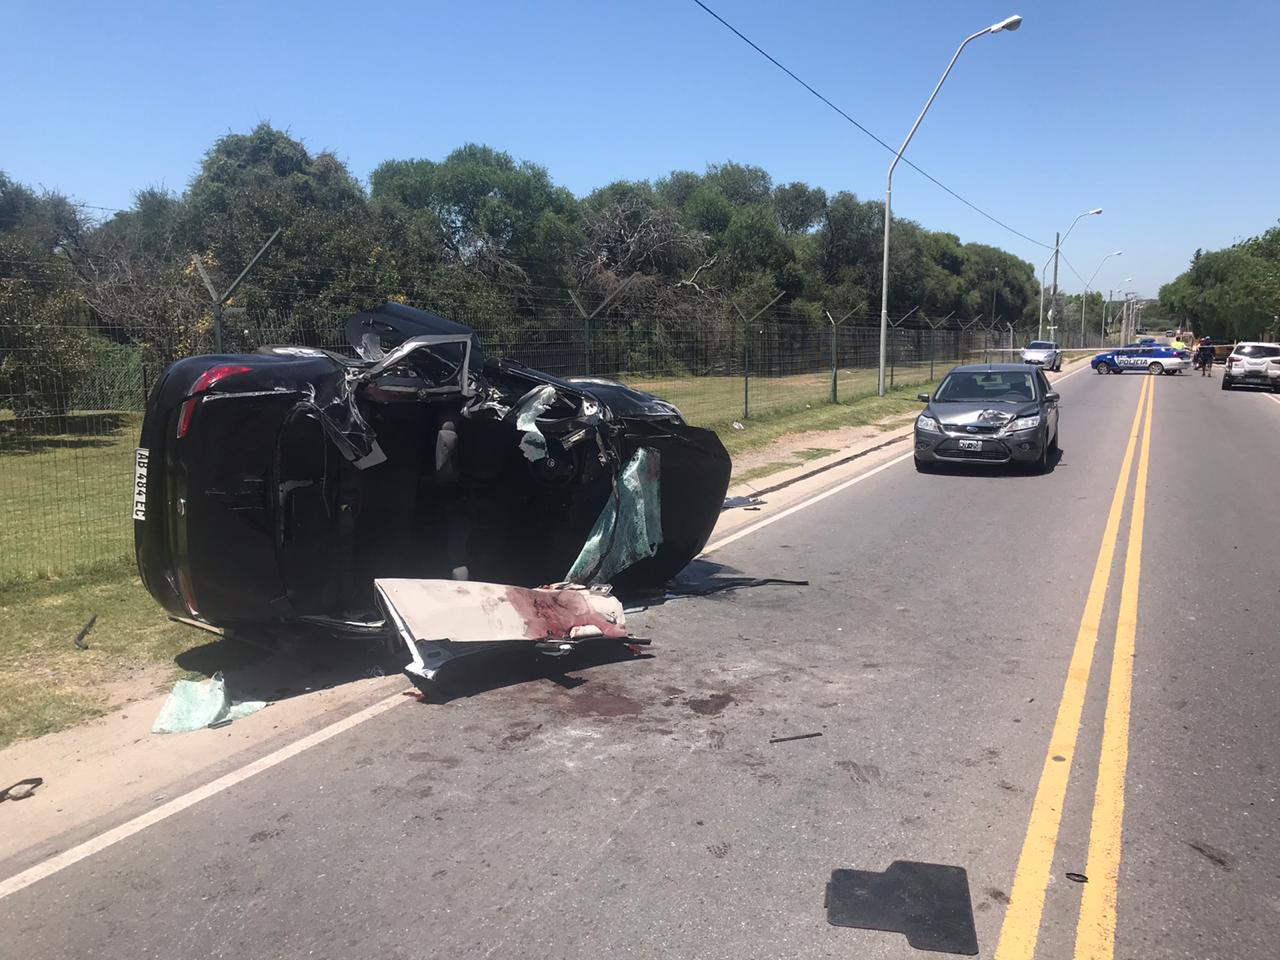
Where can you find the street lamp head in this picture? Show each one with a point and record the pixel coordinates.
(1118, 253)
(1094, 212)
(1011, 23)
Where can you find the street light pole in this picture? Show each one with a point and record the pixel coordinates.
(1011, 23)
(1058, 241)
(1088, 286)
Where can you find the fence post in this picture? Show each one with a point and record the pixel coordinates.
(835, 353)
(588, 317)
(835, 364)
(586, 343)
(746, 351)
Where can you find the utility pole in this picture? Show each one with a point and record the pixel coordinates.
(995, 277)
(220, 301)
(1053, 300)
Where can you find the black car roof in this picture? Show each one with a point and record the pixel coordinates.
(991, 368)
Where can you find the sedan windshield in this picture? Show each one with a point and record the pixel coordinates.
(1041, 345)
(998, 386)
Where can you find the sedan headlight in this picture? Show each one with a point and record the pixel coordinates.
(927, 424)
(1023, 423)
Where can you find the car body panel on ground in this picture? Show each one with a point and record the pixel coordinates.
(988, 414)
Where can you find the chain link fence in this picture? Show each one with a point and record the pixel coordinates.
(72, 391)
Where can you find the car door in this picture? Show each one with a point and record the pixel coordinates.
(1050, 406)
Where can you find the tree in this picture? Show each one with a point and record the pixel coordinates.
(44, 330)
(799, 206)
(504, 219)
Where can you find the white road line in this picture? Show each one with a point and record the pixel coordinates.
(178, 804)
(796, 508)
(1272, 397)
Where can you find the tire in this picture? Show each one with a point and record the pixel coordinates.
(1155, 368)
(924, 466)
(1226, 383)
(1275, 387)
(1053, 444)
(1101, 368)
(1041, 464)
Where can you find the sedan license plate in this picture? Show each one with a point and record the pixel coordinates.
(970, 444)
(140, 459)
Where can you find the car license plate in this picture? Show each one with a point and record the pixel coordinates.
(140, 459)
(970, 444)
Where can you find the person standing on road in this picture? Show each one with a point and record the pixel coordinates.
(1204, 357)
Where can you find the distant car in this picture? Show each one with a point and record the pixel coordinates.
(1170, 334)
(1044, 353)
(1253, 363)
(1146, 341)
(1151, 359)
(988, 414)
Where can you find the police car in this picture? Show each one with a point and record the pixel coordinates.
(1144, 357)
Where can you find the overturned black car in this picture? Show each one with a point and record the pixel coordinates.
(278, 485)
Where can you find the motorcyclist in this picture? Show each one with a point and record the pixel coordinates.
(1204, 357)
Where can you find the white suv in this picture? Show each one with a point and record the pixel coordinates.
(1256, 363)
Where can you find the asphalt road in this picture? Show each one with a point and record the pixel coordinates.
(635, 808)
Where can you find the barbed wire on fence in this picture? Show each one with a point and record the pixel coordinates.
(74, 383)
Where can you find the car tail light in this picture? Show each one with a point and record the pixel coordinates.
(202, 385)
(188, 594)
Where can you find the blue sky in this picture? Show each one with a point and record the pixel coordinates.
(1162, 113)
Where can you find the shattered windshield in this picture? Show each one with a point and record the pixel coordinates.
(1011, 386)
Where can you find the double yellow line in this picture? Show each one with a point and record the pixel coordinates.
(1095, 932)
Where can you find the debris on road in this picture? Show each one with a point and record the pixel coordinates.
(798, 736)
(84, 632)
(731, 503)
(928, 902)
(21, 790)
(442, 620)
(1077, 878)
(195, 704)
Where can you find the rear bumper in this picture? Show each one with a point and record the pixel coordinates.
(1265, 379)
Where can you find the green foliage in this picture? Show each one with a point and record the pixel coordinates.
(42, 321)
(478, 235)
(1231, 294)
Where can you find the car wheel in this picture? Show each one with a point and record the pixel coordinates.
(1053, 444)
(924, 466)
(1155, 368)
(1226, 384)
(1101, 368)
(1041, 463)
(1275, 387)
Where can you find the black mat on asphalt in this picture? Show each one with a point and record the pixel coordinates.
(929, 902)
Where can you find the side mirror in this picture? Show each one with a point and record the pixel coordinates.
(922, 397)
(1051, 397)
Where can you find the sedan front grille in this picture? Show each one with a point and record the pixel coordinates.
(993, 452)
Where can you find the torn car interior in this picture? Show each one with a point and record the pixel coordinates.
(280, 485)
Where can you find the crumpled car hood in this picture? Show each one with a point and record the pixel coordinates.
(981, 414)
